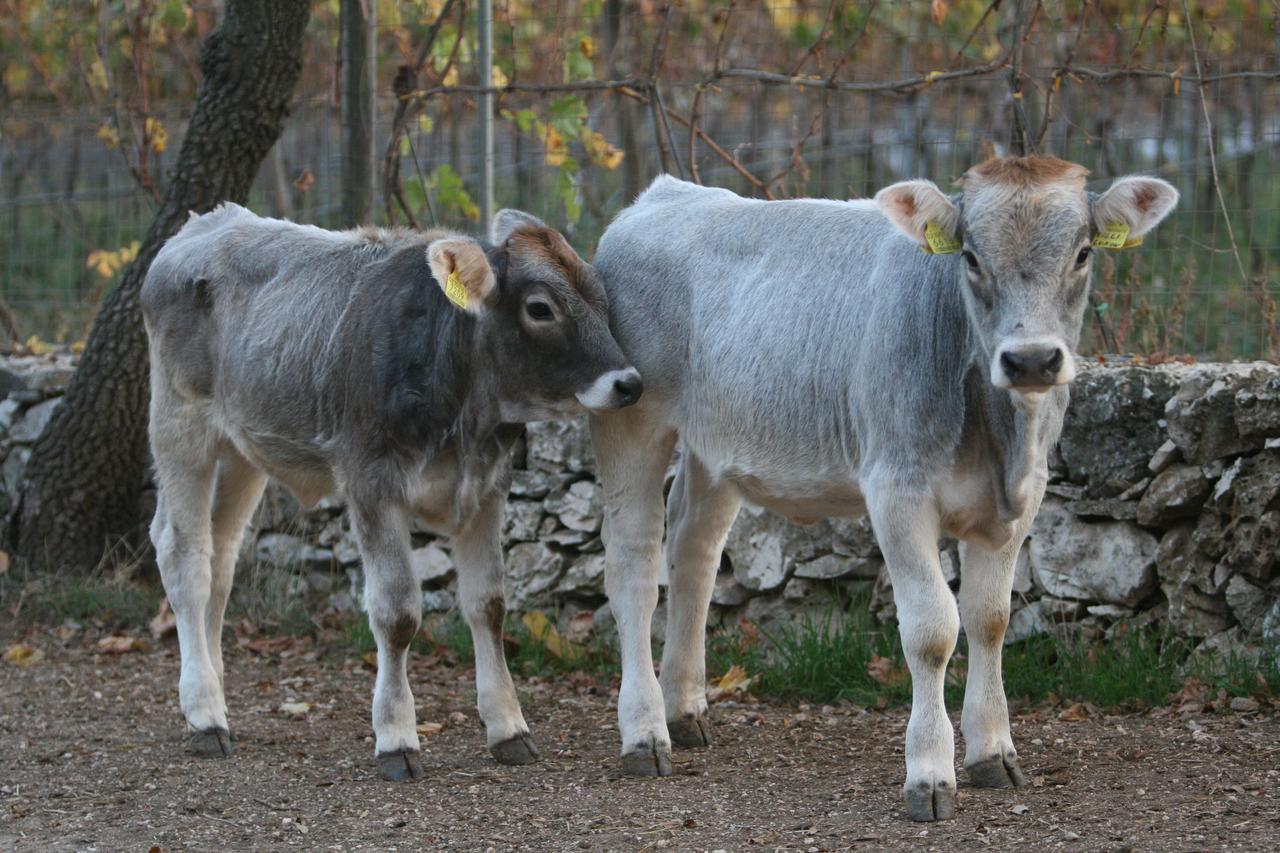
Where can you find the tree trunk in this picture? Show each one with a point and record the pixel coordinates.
(87, 471)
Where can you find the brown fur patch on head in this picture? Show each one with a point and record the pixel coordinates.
(545, 248)
(1026, 172)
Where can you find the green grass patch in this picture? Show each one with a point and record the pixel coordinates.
(116, 603)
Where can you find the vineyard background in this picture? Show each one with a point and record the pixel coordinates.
(595, 97)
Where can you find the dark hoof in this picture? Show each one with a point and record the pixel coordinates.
(515, 750)
(647, 759)
(690, 732)
(405, 764)
(210, 743)
(996, 772)
(926, 802)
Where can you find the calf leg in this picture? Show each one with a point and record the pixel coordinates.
(699, 515)
(237, 489)
(986, 583)
(393, 598)
(906, 526)
(633, 454)
(477, 552)
(180, 531)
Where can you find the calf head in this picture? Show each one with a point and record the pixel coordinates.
(542, 318)
(1026, 230)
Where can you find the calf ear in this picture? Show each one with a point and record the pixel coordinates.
(1137, 201)
(462, 271)
(912, 205)
(507, 220)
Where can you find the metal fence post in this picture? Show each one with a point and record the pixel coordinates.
(486, 115)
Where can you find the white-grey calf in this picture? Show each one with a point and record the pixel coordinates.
(811, 359)
(389, 367)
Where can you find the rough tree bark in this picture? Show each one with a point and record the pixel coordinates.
(86, 474)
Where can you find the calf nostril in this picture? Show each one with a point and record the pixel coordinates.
(1054, 363)
(628, 390)
(1012, 365)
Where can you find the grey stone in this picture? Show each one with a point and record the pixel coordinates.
(438, 600)
(832, 566)
(533, 569)
(431, 565)
(15, 464)
(534, 484)
(1113, 508)
(579, 507)
(346, 550)
(1176, 493)
(567, 538)
(1022, 583)
(1202, 414)
(1111, 562)
(283, 549)
(603, 625)
(1271, 630)
(584, 577)
(520, 523)
(50, 380)
(561, 445)
(1248, 604)
(882, 605)
(728, 592)
(755, 547)
(1041, 616)
(1164, 456)
(28, 428)
(1111, 429)
(853, 537)
(950, 562)
(1109, 611)
(8, 413)
(1257, 409)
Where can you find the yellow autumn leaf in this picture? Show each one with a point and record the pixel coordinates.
(119, 645)
(451, 76)
(557, 150)
(735, 680)
(109, 135)
(499, 77)
(587, 47)
(156, 134)
(544, 632)
(429, 729)
(35, 346)
(4, 562)
(23, 655)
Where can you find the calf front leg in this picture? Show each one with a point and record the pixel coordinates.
(907, 527)
(986, 584)
(393, 600)
(633, 456)
(477, 553)
(699, 515)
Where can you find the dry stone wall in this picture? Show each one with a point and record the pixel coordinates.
(1163, 509)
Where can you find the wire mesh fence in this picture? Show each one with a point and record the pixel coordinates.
(771, 99)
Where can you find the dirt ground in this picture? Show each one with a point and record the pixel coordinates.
(91, 758)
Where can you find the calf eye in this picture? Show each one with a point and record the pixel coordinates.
(971, 259)
(538, 310)
(1083, 257)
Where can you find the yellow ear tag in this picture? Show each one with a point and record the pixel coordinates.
(1116, 236)
(939, 242)
(455, 290)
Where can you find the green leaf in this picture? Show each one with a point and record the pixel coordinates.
(415, 194)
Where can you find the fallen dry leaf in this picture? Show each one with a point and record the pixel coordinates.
(885, 671)
(1244, 704)
(4, 561)
(164, 623)
(370, 659)
(579, 628)
(1074, 713)
(23, 655)
(1019, 808)
(544, 632)
(118, 644)
(736, 680)
(305, 180)
(429, 729)
(295, 709)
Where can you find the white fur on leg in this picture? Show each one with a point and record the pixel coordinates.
(699, 516)
(237, 490)
(906, 526)
(478, 556)
(393, 599)
(633, 457)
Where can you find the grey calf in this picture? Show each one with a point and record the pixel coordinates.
(336, 363)
(811, 359)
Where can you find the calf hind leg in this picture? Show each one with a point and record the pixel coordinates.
(181, 534)
(699, 515)
(478, 554)
(393, 600)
